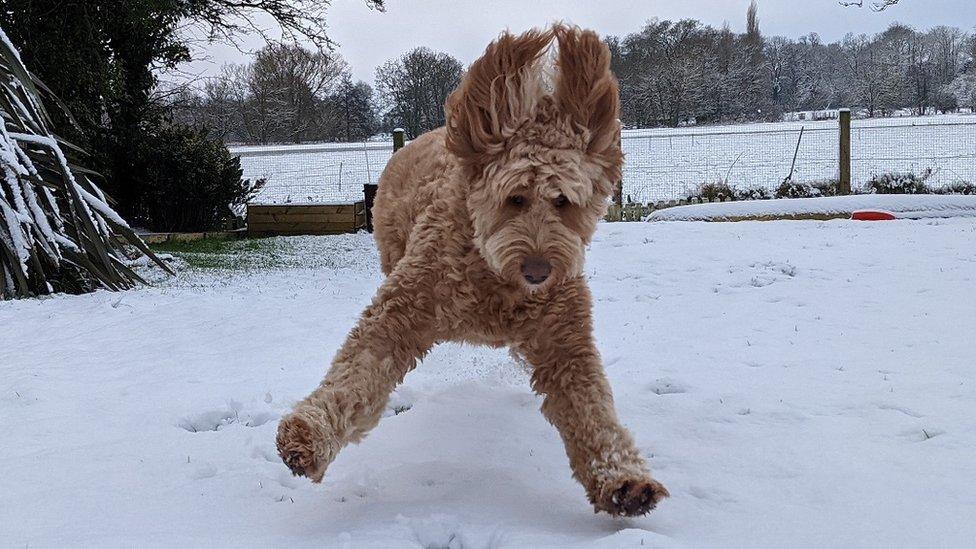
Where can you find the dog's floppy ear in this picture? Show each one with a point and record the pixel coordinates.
(500, 90)
(586, 90)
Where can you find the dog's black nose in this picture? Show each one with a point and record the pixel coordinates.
(536, 269)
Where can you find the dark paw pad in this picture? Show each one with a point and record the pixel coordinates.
(634, 497)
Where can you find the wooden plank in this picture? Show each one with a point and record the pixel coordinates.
(263, 217)
(347, 225)
(159, 238)
(306, 209)
(301, 210)
(264, 234)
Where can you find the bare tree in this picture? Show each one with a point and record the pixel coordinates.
(413, 88)
(224, 99)
(752, 22)
(228, 20)
(963, 88)
(866, 72)
(354, 110)
(289, 86)
(948, 57)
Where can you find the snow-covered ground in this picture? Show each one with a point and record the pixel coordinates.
(663, 163)
(905, 206)
(792, 383)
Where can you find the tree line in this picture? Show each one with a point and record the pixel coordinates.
(670, 72)
(291, 94)
(678, 72)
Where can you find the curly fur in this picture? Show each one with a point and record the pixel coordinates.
(520, 173)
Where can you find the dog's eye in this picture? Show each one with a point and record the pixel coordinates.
(560, 201)
(516, 201)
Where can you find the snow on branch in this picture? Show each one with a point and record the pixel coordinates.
(876, 6)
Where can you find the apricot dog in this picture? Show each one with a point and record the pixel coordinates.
(482, 227)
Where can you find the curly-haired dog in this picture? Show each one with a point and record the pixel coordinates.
(482, 227)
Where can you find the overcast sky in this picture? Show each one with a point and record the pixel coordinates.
(367, 38)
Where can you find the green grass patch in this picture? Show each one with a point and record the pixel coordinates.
(262, 254)
(222, 253)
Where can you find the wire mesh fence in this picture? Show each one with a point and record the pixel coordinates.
(948, 150)
(326, 173)
(668, 164)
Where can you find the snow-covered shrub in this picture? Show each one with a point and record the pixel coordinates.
(57, 230)
(808, 189)
(961, 187)
(752, 193)
(794, 189)
(827, 187)
(899, 183)
(712, 192)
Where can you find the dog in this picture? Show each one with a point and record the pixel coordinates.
(482, 227)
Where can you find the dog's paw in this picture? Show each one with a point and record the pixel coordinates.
(630, 496)
(303, 443)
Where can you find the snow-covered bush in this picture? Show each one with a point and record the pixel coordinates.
(961, 187)
(794, 189)
(899, 183)
(57, 230)
(808, 189)
(712, 192)
(752, 193)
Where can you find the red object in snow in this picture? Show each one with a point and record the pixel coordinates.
(872, 215)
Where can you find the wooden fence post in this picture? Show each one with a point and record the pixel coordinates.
(844, 184)
(369, 190)
(398, 139)
(618, 186)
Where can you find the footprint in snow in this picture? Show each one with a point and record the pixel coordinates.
(205, 471)
(215, 420)
(766, 273)
(897, 408)
(666, 386)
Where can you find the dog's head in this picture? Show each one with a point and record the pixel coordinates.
(540, 149)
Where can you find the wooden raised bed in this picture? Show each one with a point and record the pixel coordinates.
(298, 219)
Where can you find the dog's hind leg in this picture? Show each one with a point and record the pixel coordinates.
(567, 371)
(392, 334)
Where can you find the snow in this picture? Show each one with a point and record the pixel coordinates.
(792, 384)
(665, 163)
(904, 205)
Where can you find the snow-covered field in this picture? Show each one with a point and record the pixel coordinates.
(792, 383)
(663, 163)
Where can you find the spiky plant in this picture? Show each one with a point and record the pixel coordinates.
(57, 231)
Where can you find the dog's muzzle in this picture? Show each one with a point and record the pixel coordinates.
(536, 270)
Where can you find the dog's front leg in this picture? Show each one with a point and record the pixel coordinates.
(392, 334)
(567, 371)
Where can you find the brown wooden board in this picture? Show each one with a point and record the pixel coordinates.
(303, 209)
(302, 226)
(262, 217)
(276, 232)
